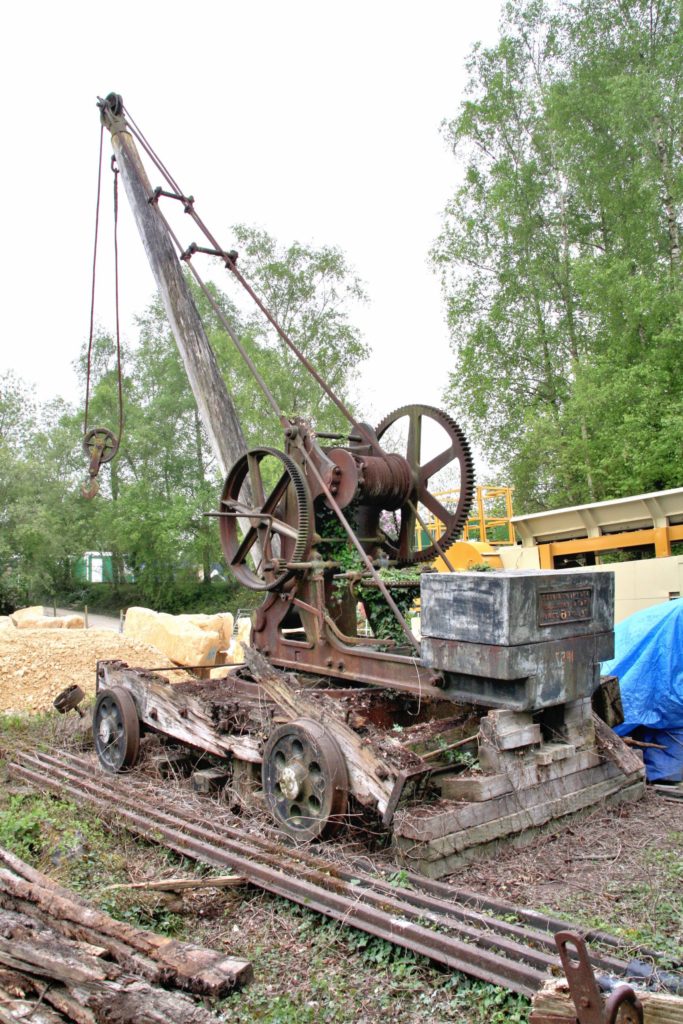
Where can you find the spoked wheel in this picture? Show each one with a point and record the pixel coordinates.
(265, 518)
(305, 780)
(432, 443)
(116, 730)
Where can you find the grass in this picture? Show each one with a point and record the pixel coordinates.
(647, 910)
(308, 968)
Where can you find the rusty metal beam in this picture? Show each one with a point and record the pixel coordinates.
(459, 936)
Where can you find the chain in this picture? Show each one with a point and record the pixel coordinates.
(101, 445)
(119, 380)
(94, 275)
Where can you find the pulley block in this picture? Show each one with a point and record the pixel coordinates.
(100, 445)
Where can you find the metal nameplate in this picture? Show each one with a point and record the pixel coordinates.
(558, 606)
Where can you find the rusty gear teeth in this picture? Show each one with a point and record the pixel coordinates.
(463, 455)
(235, 550)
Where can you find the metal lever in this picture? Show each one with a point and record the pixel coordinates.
(585, 991)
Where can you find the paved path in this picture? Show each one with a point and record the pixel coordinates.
(94, 621)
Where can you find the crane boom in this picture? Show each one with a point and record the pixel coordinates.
(215, 404)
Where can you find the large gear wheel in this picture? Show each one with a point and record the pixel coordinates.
(265, 518)
(402, 544)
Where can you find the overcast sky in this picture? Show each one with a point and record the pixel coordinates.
(318, 121)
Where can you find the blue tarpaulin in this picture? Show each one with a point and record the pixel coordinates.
(649, 663)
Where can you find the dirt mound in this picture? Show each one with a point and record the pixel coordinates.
(35, 664)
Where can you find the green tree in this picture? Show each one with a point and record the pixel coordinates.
(150, 511)
(312, 294)
(560, 253)
(38, 510)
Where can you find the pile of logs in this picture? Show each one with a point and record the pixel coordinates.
(61, 960)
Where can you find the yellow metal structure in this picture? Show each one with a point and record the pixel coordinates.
(469, 554)
(660, 537)
(488, 526)
(489, 521)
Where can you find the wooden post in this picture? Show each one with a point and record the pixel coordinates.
(214, 402)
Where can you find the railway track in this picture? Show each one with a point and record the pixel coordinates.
(456, 928)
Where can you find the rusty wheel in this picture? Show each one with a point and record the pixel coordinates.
(305, 780)
(116, 729)
(69, 700)
(265, 518)
(432, 443)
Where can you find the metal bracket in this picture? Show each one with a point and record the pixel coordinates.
(584, 989)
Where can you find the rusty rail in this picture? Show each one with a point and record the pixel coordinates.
(434, 921)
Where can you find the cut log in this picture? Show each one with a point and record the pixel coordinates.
(613, 747)
(367, 772)
(206, 972)
(87, 989)
(102, 988)
(34, 1010)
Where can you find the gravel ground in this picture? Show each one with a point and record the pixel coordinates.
(36, 664)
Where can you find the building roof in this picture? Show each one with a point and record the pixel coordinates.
(641, 511)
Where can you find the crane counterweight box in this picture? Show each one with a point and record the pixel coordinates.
(515, 639)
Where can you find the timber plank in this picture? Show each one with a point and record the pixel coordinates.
(164, 707)
(527, 817)
(486, 787)
(428, 823)
(447, 865)
(554, 1001)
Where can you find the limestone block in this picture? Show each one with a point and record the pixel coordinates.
(43, 622)
(235, 655)
(50, 621)
(73, 621)
(181, 640)
(221, 623)
(27, 617)
(61, 622)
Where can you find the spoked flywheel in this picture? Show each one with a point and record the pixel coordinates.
(116, 729)
(431, 443)
(305, 780)
(265, 518)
